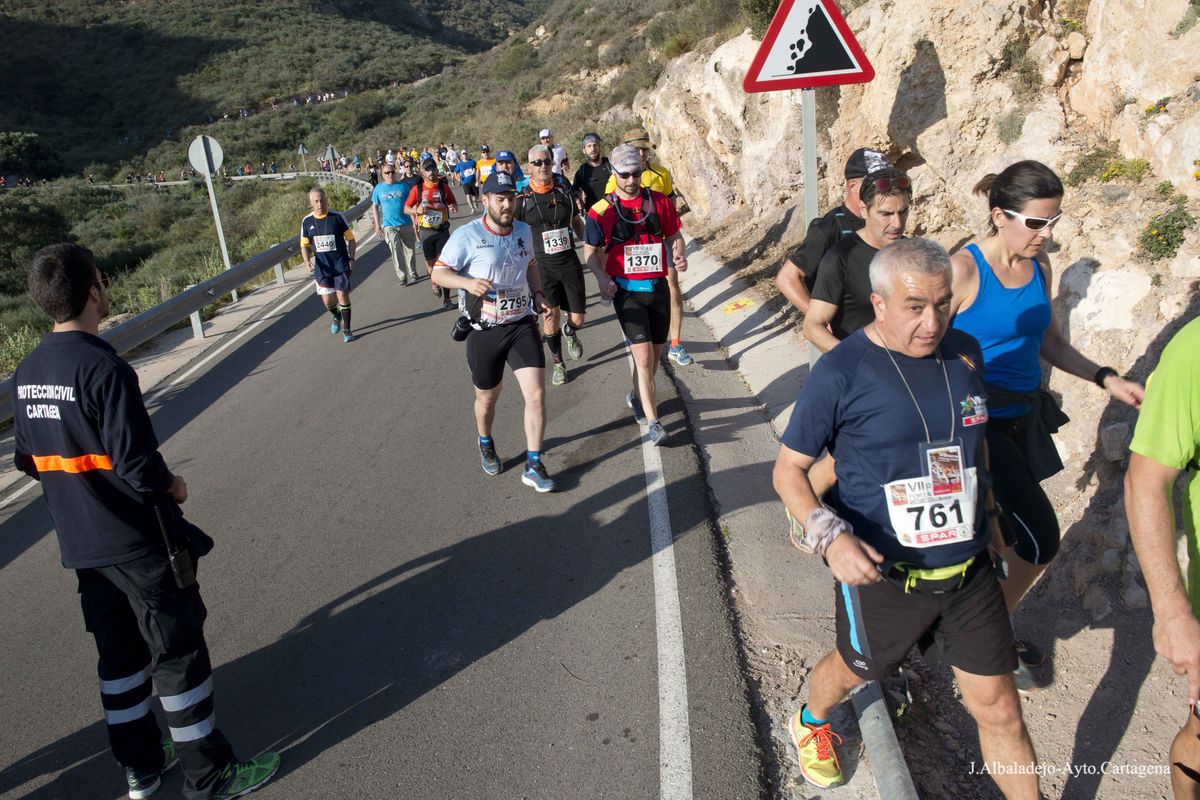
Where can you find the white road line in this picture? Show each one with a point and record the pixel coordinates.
(674, 729)
(304, 287)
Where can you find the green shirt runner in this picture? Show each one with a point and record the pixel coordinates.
(1168, 431)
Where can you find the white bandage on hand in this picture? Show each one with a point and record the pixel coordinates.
(822, 527)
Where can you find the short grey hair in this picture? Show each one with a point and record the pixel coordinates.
(318, 190)
(539, 149)
(916, 255)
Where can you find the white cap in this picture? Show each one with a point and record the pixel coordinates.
(545, 134)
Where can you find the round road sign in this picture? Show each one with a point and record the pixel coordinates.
(205, 159)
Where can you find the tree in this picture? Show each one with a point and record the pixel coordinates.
(25, 153)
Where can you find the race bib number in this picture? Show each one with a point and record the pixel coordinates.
(921, 517)
(643, 259)
(505, 305)
(468, 173)
(325, 243)
(557, 241)
(432, 219)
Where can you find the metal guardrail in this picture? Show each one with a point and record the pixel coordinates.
(142, 328)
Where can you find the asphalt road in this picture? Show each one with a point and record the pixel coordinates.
(396, 622)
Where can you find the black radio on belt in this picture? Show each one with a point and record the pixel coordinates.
(183, 564)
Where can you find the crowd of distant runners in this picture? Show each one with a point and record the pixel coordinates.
(912, 463)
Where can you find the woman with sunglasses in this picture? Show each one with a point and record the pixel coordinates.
(1002, 298)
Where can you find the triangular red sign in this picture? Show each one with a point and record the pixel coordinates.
(808, 44)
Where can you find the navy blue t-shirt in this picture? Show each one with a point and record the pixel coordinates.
(855, 403)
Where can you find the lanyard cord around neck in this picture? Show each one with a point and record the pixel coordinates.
(949, 394)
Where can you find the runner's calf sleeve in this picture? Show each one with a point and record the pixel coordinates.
(344, 311)
(554, 342)
(333, 310)
(822, 527)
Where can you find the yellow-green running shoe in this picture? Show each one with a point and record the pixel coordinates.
(818, 761)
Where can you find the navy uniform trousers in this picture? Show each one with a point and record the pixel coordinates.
(146, 627)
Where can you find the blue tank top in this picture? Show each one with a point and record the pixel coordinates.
(1009, 325)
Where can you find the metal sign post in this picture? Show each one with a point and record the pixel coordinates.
(302, 151)
(206, 156)
(808, 105)
(331, 158)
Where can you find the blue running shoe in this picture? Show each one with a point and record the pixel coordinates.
(492, 464)
(680, 356)
(336, 325)
(348, 337)
(535, 476)
(635, 403)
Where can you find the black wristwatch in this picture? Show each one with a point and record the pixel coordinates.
(1102, 375)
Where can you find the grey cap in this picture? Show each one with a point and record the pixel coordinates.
(626, 158)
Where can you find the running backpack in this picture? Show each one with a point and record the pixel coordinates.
(624, 230)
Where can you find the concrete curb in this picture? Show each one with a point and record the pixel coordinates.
(750, 364)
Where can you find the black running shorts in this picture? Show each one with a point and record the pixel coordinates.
(517, 344)
(563, 286)
(432, 243)
(644, 316)
(471, 189)
(967, 628)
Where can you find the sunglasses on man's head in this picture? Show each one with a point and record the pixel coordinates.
(637, 173)
(1034, 223)
(886, 184)
(541, 162)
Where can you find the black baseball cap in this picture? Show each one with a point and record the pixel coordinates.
(865, 160)
(429, 163)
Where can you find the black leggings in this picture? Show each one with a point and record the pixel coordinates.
(1029, 519)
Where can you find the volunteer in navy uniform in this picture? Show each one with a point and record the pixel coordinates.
(492, 262)
(901, 406)
(82, 429)
(327, 246)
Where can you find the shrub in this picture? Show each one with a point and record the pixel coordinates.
(1157, 107)
(1091, 164)
(1069, 25)
(1021, 69)
(1132, 169)
(1164, 189)
(677, 45)
(1163, 236)
(1010, 125)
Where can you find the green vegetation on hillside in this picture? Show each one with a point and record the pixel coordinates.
(153, 242)
(102, 81)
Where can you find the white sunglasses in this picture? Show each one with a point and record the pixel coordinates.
(1034, 223)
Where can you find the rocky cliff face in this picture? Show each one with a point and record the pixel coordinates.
(962, 90)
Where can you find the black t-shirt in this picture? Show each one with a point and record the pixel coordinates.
(844, 280)
(549, 214)
(823, 233)
(592, 181)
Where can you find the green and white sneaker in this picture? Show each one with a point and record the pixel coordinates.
(559, 376)
(243, 777)
(574, 346)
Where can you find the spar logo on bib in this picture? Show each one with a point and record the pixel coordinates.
(974, 410)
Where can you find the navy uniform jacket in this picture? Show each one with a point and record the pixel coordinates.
(82, 429)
